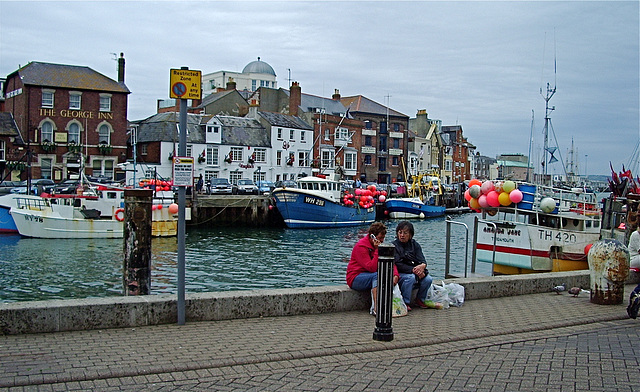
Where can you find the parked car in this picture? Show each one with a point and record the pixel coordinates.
(37, 186)
(66, 187)
(265, 187)
(220, 186)
(247, 187)
(6, 186)
(286, 184)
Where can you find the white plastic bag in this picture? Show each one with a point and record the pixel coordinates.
(438, 294)
(399, 307)
(449, 294)
(455, 292)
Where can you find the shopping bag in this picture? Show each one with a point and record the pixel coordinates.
(399, 307)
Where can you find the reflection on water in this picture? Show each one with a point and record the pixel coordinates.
(216, 260)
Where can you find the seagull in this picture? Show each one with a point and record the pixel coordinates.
(576, 291)
(559, 288)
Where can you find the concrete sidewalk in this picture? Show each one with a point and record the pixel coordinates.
(527, 342)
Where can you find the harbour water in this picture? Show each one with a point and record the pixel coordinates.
(221, 259)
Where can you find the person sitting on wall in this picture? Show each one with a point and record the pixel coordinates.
(411, 265)
(362, 270)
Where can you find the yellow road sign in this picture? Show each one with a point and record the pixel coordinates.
(185, 84)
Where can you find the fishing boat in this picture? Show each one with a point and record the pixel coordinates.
(424, 192)
(43, 218)
(318, 202)
(92, 202)
(548, 230)
(7, 224)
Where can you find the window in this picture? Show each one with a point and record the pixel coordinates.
(253, 85)
(189, 150)
(143, 149)
(382, 163)
(104, 167)
(258, 176)
(209, 174)
(47, 98)
(46, 167)
(396, 127)
(383, 127)
(279, 135)
(303, 158)
(260, 155)
(350, 161)
(368, 124)
(212, 155)
(104, 134)
(447, 165)
(395, 161)
(105, 102)
(235, 176)
(292, 135)
(327, 134)
(75, 101)
(367, 140)
(46, 132)
(213, 129)
(236, 153)
(2, 149)
(396, 143)
(278, 157)
(367, 159)
(342, 134)
(302, 136)
(383, 143)
(327, 158)
(73, 133)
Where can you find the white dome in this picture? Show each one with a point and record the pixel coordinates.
(259, 67)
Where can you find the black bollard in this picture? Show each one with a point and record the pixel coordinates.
(384, 313)
(136, 271)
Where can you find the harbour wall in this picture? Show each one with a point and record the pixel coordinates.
(134, 311)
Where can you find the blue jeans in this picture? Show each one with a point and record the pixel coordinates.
(365, 281)
(408, 281)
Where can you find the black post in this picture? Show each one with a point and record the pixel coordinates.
(383, 330)
(137, 241)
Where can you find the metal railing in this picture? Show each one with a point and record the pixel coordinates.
(447, 265)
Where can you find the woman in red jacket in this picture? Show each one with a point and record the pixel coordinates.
(362, 271)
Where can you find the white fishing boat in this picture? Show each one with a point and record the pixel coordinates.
(549, 230)
(42, 218)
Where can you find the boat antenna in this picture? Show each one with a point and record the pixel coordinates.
(550, 92)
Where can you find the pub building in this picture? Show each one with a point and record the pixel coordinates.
(65, 114)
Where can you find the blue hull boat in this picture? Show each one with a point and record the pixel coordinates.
(316, 205)
(412, 208)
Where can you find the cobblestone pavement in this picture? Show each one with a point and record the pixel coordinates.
(524, 343)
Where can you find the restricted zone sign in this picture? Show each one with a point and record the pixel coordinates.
(185, 84)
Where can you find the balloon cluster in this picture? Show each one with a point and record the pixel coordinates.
(365, 198)
(491, 195)
(158, 185)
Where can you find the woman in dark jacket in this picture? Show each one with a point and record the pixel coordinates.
(411, 265)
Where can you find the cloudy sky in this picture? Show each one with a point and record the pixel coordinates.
(477, 64)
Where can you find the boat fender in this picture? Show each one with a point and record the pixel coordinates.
(119, 214)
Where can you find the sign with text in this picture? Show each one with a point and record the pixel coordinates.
(185, 84)
(183, 171)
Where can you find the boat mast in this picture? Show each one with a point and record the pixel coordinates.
(528, 179)
(547, 119)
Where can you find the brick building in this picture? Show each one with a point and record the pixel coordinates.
(68, 117)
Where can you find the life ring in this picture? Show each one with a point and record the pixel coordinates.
(117, 215)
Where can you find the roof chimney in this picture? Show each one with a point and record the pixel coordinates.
(295, 98)
(231, 84)
(121, 68)
(336, 95)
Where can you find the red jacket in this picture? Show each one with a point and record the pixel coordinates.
(364, 258)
